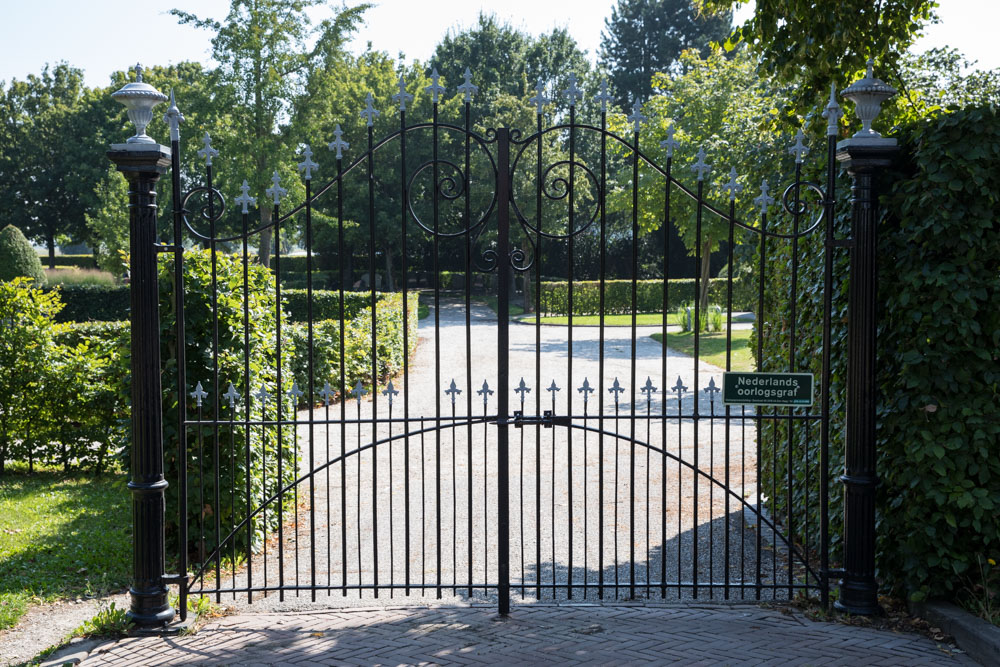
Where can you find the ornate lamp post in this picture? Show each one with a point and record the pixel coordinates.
(864, 155)
(142, 160)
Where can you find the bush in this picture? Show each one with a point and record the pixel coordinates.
(357, 346)
(325, 304)
(17, 257)
(649, 295)
(938, 372)
(94, 303)
(77, 261)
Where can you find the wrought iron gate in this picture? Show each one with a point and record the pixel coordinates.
(455, 473)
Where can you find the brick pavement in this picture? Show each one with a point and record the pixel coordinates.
(534, 634)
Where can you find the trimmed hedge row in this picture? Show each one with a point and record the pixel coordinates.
(93, 303)
(325, 304)
(81, 261)
(649, 295)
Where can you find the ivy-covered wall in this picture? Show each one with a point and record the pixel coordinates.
(938, 361)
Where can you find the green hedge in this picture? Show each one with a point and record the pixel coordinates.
(93, 303)
(357, 346)
(649, 295)
(81, 261)
(295, 263)
(938, 371)
(325, 304)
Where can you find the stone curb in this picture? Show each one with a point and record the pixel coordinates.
(980, 639)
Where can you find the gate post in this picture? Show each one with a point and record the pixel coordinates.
(865, 156)
(143, 161)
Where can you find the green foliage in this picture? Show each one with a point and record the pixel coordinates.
(109, 621)
(939, 379)
(108, 222)
(325, 304)
(649, 295)
(357, 346)
(64, 536)
(812, 45)
(100, 303)
(26, 324)
(642, 37)
(17, 257)
(79, 261)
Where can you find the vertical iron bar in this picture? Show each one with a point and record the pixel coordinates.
(468, 327)
(633, 384)
(309, 393)
(538, 359)
(245, 224)
(503, 371)
(729, 367)
(374, 306)
(215, 384)
(759, 320)
(279, 403)
(437, 359)
(341, 250)
(793, 296)
(406, 342)
(695, 411)
(600, 360)
(663, 379)
(569, 358)
(824, 452)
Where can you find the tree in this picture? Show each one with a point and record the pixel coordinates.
(50, 157)
(642, 37)
(813, 46)
(718, 104)
(17, 257)
(263, 58)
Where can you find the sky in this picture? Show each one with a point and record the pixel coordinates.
(101, 36)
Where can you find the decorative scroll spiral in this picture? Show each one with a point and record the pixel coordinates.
(557, 188)
(491, 258)
(449, 187)
(519, 260)
(204, 211)
(792, 202)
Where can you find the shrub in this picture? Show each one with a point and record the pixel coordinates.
(26, 327)
(357, 346)
(325, 304)
(649, 295)
(938, 372)
(93, 303)
(17, 257)
(77, 261)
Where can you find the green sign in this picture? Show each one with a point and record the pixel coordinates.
(792, 389)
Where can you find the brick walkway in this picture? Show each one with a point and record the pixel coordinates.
(535, 634)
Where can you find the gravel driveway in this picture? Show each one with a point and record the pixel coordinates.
(560, 480)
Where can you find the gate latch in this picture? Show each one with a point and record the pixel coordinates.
(548, 419)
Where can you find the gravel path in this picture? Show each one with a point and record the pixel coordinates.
(557, 526)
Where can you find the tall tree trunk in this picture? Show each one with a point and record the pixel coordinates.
(389, 285)
(706, 265)
(51, 243)
(264, 251)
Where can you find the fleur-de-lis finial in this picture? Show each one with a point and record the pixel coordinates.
(435, 89)
(616, 389)
(370, 113)
(295, 392)
(198, 394)
(539, 99)
(232, 396)
(833, 112)
(765, 199)
(712, 389)
(245, 200)
(359, 391)
(701, 167)
(553, 388)
(326, 393)
(262, 395)
(207, 152)
(402, 96)
(586, 390)
(453, 391)
(799, 150)
(670, 143)
(338, 144)
(636, 117)
(573, 92)
(389, 392)
(522, 389)
(604, 97)
(276, 192)
(733, 186)
(467, 89)
(648, 389)
(307, 165)
(485, 392)
(173, 118)
(679, 387)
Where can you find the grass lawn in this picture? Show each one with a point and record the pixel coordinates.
(642, 320)
(712, 347)
(61, 536)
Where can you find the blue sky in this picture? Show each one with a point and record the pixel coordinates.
(101, 36)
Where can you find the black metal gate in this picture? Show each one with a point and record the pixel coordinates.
(495, 457)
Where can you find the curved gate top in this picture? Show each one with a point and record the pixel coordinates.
(421, 441)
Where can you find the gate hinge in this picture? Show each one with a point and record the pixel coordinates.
(178, 579)
(548, 419)
(162, 247)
